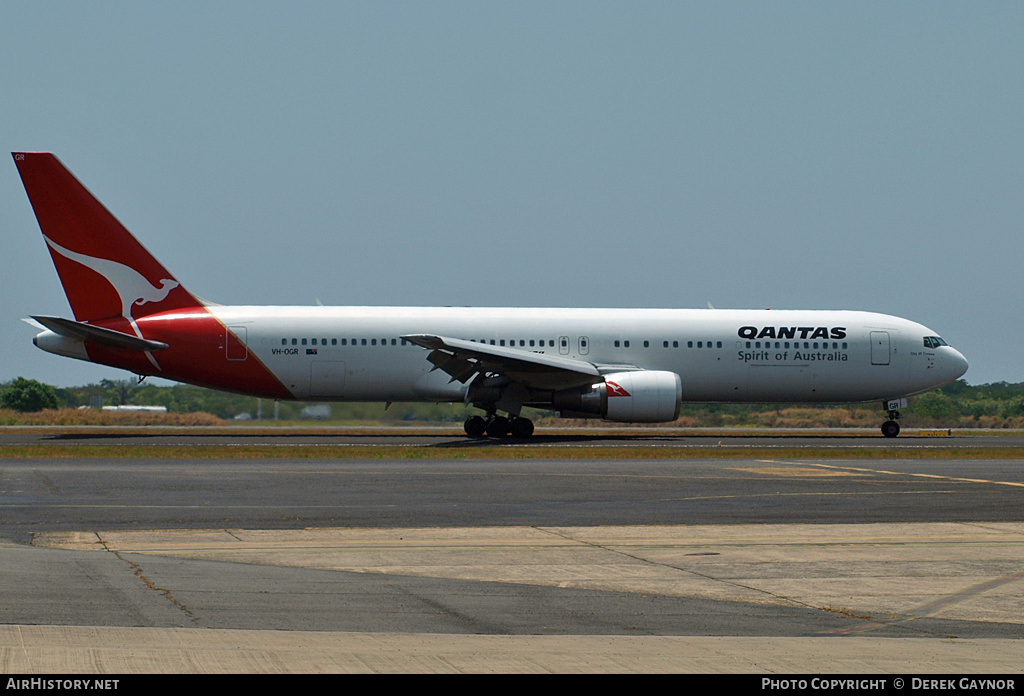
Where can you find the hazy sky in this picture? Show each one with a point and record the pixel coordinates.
(819, 155)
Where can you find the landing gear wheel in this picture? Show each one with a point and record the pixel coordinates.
(498, 426)
(475, 426)
(890, 428)
(522, 427)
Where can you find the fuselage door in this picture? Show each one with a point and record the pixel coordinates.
(563, 345)
(584, 345)
(879, 347)
(327, 378)
(235, 340)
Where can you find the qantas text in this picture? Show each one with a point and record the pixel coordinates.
(801, 332)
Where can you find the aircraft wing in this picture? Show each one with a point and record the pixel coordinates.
(463, 359)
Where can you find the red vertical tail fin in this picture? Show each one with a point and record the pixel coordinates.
(106, 273)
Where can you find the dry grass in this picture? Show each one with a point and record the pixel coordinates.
(88, 416)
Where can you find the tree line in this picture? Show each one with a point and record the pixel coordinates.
(957, 405)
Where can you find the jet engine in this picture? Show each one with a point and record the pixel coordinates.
(645, 396)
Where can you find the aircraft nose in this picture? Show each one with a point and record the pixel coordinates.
(957, 363)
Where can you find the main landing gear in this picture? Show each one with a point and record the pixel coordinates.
(498, 426)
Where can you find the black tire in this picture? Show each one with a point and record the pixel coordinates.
(522, 427)
(475, 426)
(498, 426)
(890, 428)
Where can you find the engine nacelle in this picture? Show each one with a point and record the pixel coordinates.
(644, 396)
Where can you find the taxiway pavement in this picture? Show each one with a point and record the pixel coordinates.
(434, 565)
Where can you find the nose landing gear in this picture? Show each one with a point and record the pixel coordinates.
(891, 428)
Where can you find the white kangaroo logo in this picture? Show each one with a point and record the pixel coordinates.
(131, 286)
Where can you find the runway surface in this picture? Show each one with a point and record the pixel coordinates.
(441, 564)
(451, 437)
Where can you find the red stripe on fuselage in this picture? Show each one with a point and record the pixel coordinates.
(197, 354)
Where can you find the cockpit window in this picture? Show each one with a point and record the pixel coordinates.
(933, 342)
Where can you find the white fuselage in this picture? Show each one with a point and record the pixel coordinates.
(357, 353)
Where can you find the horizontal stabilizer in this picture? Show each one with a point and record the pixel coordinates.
(98, 335)
(33, 323)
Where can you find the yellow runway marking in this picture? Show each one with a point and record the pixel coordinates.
(805, 468)
(794, 471)
(906, 473)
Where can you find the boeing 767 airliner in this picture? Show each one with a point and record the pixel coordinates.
(622, 365)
